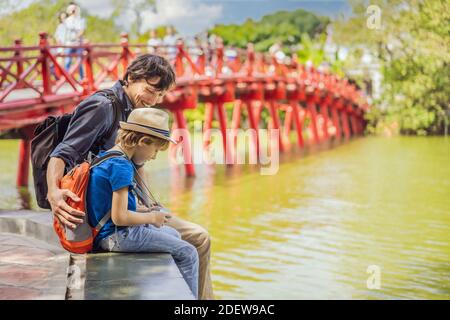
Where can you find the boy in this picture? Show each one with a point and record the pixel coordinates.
(110, 189)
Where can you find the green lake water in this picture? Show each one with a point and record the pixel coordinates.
(313, 229)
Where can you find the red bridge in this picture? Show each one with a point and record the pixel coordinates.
(35, 85)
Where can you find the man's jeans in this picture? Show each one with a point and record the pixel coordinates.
(148, 238)
(68, 61)
(199, 238)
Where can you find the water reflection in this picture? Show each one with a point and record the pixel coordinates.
(312, 230)
(24, 198)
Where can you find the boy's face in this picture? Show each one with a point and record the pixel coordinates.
(145, 152)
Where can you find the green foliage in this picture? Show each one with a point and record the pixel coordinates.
(288, 27)
(161, 32)
(101, 30)
(42, 15)
(137, 9)
(311, 50)
(412, 48)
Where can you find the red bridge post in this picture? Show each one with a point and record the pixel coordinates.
(345, 124)
(24, 160)
(336, 120)
(311, 106)
(324, 111)
(46, 81)
(19, 62)
(188, 161)
(125, 51)
(89, 72)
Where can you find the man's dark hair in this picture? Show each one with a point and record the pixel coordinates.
(149, 66)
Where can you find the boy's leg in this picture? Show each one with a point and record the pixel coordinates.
(199, 238)
(152, 239)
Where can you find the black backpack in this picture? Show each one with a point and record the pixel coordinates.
(49, 134)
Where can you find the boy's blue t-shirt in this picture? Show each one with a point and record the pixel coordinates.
(111, 175)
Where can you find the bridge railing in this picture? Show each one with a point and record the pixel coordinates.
(37, 81)
(42, 68)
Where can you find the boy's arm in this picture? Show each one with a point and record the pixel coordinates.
(121, 216)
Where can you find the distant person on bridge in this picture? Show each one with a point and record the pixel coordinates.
(145, 83)
(60, 39)
(154, 43)
(75, 28)
(170, 41)
(60, 32)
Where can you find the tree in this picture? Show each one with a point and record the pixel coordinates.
(42, 15)
(412, 48)
(284, 26)
(137, 9)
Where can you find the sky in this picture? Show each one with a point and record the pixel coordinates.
(192, 16)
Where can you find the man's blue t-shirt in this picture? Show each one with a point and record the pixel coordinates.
(109, 176)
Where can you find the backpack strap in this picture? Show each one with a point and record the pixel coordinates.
(117, 114)
(103, 221)
(140, 194)
(95, 162)
(99, 160)
(117, 108)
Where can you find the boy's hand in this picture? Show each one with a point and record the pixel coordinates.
(160, 218)
(141, 208)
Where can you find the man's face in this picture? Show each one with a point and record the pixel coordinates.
(144, 94)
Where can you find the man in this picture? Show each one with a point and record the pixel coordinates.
(154, 43)
(75, 27)
(60, 33)
(60, 40)
(170, 41)
(145, 83)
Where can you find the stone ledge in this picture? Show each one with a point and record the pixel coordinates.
(32, 269)
(91, 276)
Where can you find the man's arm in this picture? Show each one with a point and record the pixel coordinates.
(90, 121)
(57, 197)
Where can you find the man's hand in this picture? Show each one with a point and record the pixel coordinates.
(65, 213)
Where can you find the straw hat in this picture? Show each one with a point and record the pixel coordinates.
(151, 121)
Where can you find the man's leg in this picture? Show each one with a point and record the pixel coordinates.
(67, 60)
(81, 72)
(199, 238)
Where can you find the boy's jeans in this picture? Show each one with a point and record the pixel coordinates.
(148, 238)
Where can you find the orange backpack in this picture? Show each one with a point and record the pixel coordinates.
(81, 239)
